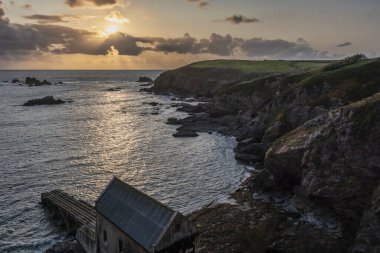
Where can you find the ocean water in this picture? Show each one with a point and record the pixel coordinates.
(78, 147)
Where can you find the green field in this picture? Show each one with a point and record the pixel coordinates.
(265, 66)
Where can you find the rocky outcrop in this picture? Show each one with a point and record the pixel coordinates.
(185, 133)
(49, 100)
(32, 81)
(144, 79)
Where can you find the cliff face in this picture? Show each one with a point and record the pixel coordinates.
(322, 130)
(333, 162)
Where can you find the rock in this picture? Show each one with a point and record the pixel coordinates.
(144, 79)
(5, 81)
(146, 84)
(185, 133)
(32, 81)
(15, 81)
(173, 121)
(192, 108)
(145, 90)
(152, 103)
(332, 163)
(49, 100)
(66, 247)
(113, 89)
(368, 235)
(251, 153)
(60, 82)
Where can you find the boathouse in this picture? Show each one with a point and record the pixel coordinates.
(127, 220)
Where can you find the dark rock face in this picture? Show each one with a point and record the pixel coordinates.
(32, 81)
(144, 79)
(331, 163)
(49, 100)
(185, 133)
(251, 152)
(15, 81)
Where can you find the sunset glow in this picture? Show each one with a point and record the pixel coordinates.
(168, 34)
(111, 29)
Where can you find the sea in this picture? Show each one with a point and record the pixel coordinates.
(80, 146)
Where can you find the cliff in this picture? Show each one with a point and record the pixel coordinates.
(208, 77)
(312, 130)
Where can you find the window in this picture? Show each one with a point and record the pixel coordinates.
(104, 236)
(121, 246)
(177, 228)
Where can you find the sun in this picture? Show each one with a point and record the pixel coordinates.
(111, 29)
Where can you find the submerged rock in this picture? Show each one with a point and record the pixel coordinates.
(173, 121)
(15, 81)
(113, 89)
(49, 100)
(185, 133)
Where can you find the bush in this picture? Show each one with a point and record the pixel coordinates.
(345, 62)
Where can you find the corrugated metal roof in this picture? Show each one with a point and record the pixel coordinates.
(141, 217)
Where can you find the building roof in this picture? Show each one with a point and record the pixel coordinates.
(141, 217)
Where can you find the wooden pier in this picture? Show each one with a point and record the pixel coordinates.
(74, 213)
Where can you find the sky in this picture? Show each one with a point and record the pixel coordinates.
(165, 34)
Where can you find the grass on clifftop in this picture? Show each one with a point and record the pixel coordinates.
(265, 66)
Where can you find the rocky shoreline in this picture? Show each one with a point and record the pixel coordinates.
(313, 136)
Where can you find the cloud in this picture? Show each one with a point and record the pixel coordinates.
(345, 44)
(116, 17)
(27, 6)
(46, 19)
(24, 6)
(239, 19)
(98, 3)
(201, 3)
(47, 38)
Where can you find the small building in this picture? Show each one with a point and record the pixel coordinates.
(129, 221)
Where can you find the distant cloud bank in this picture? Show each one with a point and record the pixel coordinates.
(46, 37)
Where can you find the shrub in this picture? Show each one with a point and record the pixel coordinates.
(345, 62)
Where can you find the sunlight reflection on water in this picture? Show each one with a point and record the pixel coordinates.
(79, 146)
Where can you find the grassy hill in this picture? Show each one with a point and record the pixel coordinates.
(265, 66)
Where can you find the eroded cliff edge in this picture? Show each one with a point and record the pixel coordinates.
(313, 131)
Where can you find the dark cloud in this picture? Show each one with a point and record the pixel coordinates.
(28, 39)
(201, 3)
(79, 3)
(46, 19)
(278, 49)
(239, 19)
(345, 44)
